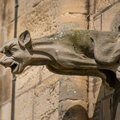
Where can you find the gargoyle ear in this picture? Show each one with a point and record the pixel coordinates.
(25, 39)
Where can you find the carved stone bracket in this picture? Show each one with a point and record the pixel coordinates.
(75, 52)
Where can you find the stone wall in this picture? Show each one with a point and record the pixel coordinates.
(40, 94)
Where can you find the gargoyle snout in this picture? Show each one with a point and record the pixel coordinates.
(1, 61)
(5, 61)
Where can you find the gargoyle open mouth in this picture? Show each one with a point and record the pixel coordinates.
(14, 67)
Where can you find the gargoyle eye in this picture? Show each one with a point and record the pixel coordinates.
(8, 53)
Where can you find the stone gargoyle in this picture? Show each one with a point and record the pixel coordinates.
(74, 52)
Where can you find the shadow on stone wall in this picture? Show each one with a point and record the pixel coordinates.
(76, 112)
(116, 102)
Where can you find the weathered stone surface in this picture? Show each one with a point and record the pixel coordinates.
(46, 83)
(73, 14)
(5, 111)
(92, 7)
(3, 39)
(47, 100)
(95, 24)
(45, 73)
(24, 106)
(73, 88)
(52, 17)
(73, 21)
(42, 19)
(108, 17)
(115, 26)
(27, 80)
(76, 6)
(5, 87)
(101, 4)
(7, 11)
(106, 21)
(26, 5)
(94, 86)
(72, 92)
(96, 93)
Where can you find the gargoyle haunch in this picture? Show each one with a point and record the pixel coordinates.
(75, 52)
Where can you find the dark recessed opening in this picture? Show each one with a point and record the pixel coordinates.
(119, 28)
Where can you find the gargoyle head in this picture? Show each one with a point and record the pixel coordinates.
(14, 51)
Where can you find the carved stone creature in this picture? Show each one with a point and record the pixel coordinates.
(75, 52)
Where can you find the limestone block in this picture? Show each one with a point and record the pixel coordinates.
(73, 6)
(47, 100)
(101, 4)
(5, 86)
(73, 21)
(94, 89)
(5, 112)
(47, 16)
(108, 17)
(1, 69)
(7, 7)
(1, 12)
(73, 88)
(73, 14)
(115, 24)
(27, 80)
(3, 36)
(95, 23)
(107, 20)
(96, 92)
(47, 83)
(24, 106)
(41, 20)
(92, 7)
(73, 92)
(25, 5)
(10, 31)
(45, 73)
(2, 40)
